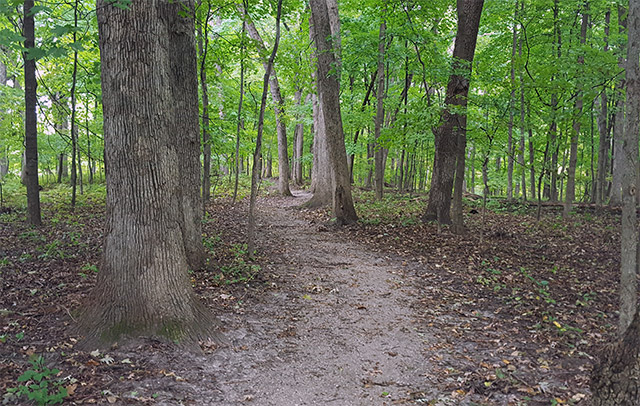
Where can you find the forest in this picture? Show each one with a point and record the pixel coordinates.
(334, 202)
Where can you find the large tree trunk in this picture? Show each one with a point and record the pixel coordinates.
(573, 155)
(616, 379)
(329, 100)
(453, 121)
(276, 95)
(31, 120)
(150, 95)
(184, 86)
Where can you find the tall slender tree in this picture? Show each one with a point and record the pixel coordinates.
(450, 137)
(31, 119)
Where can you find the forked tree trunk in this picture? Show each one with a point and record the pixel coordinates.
(329, 100)
(149, 91)
(452, 129)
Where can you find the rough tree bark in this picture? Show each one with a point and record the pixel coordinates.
(450, 137)
(31, 123)
(183, 79)
(616, 379)
(329, 102)
(143, 288)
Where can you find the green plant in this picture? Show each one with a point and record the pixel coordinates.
(53, 250)
(88, 268)
(239, 270)
(543, 287)
(39, 384)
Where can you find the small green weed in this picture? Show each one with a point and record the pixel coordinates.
(38, 384)
(53, 250)
(239, 271)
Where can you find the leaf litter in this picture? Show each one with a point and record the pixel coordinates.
(513, 312)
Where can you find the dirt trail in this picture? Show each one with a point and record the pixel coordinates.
(343, 332)
(335, 329)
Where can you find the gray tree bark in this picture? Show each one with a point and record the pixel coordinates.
(149, 89)
(329, 102)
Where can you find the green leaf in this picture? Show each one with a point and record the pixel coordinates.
(26, 376)
(35, 53)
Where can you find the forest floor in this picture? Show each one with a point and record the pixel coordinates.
(386, 312)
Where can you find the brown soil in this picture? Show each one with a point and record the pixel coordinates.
(362, 316)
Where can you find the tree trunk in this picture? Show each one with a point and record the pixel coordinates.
(615, 380)
(453, 121)
(380, 92)
(603, 130)
(31, 123)
(512, 102)
(184, 86)
(240, 123)
(298, 142)
(329, 100)
(276, 95)
(618, 125)
(629, 231)
(75, 153)
(149, 89)
(256, 154)
(573, 156)
(203, 44)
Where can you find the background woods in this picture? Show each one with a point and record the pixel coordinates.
(433, 129)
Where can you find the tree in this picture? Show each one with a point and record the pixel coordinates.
(573, 154)
(31, 119)
(379, 149)
(450, 136)
(281, 128)
(150, 96)
(616, 379)
(333, 146)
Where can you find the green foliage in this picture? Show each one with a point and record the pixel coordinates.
(240, 270)
(393, 208)
(39, 384)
